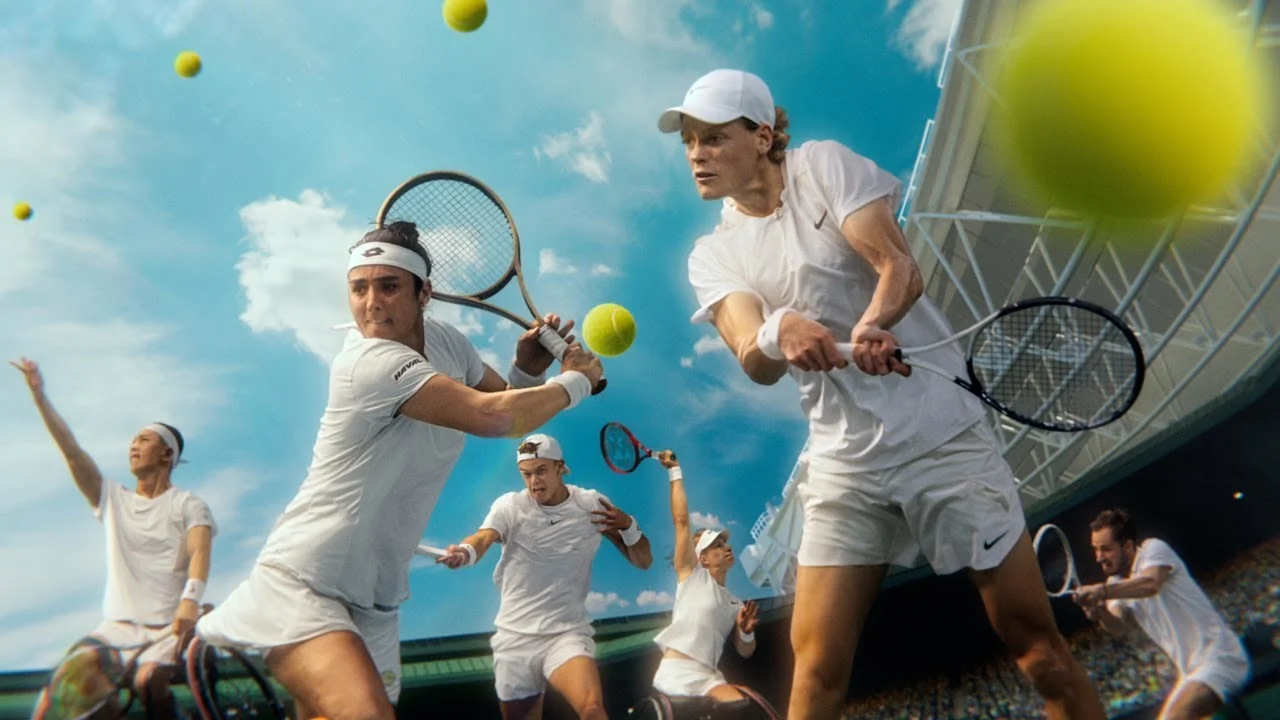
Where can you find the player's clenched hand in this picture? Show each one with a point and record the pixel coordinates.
(454, 557)
(1090, 595)
(873, 351)
(32, 372)
(610, 518)
(531, 356)
(667, 458)
(577, 358)
(808, 345)
(184, 625)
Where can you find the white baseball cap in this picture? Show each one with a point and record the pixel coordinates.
(723, 96)
(708, 537)
(545, 448)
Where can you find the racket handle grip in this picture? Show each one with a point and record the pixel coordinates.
(846, 351)
(552, 341)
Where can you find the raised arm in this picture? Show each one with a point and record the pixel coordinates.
(684, 559)
(84, 471)
(458, 556)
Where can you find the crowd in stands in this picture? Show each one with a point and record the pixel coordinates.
(1130, 672)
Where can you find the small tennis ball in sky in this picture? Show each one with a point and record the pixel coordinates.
(1129, 109)
(22, 211)
(188, 64)
(465, 15)
(609, 329)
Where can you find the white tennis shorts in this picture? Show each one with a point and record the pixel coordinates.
(522, 663)
(1226, 675)
(958, 505)
(125, 635)
(678, 677)
(273, 608)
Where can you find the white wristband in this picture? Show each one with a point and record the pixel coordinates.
(574, 383)
(747, 637)
(632, 535)
(674, 474)
(471, 553)
(767, 336)
(519, 379)
(193, 591)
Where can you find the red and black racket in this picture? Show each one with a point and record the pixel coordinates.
(622, 452)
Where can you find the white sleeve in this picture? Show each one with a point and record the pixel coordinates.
(501, 517)
(387, 374)
(1157, 553)
(105, 491)
(196, 513)
(849, 180)
(713, 279)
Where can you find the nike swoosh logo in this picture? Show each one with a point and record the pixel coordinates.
(553, 522)
(818, 225)
(988, 544)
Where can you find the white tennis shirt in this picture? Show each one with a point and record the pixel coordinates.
(798, 258)
(705, 613)
(544, 573)
(1180, 619)
(147, 556)
(375, 474)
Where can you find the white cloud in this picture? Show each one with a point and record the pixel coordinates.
(655, 23)
(763, 18)
(549, 263)
(660, 598)
(686, 362)
(705, 520)
(708, 344)
(925, 30)
(602, 270)
(583, 149)
(598, 602)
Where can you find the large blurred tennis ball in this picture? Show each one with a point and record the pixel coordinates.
(1133, 108)
(608, 329)
(22, 211)
(465, 15)
(188, 64)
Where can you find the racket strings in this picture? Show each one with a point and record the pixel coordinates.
(87, 680)
(471, 240)
(1059, 365)
(619, 450)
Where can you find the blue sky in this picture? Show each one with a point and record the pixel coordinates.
(185, 258)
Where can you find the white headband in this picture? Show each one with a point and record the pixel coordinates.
(168, 439)
(380, 253)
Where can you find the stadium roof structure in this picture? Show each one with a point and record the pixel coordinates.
(1198, 289)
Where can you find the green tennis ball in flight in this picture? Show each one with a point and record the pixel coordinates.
(465, 15)
(609, 329)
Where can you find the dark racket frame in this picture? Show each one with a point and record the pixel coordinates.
(621, 450)
(221, 697)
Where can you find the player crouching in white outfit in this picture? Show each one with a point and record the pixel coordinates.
(807, 254)
(549, 532)
(1148, 586)
(705, 611)
(322, 599)
(159, 544)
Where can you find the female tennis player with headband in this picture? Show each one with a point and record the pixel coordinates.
(322, 600)
(808, 254)
(159, 547)
(705, 612)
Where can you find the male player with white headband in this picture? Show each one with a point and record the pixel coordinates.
(322, 599)
(550, 532)
(808, 253)
(705, 611)
(159, 544)
(1148, 586)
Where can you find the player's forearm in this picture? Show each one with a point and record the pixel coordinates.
(762, 370)
(639, 554)
(1134, 588)
(516, 413)
(198, 568)
(481, 541)
(899, 287)
(745, 649)
(679, 506)
(84, 471)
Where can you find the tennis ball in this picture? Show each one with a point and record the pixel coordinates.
(188, 64)
(465, 15)
(22, 211)
(609, 329)
(1130, 109)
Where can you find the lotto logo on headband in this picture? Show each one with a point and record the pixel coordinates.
(373, 252)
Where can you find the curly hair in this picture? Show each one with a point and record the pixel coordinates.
(781, 138)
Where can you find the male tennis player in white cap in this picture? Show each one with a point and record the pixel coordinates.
(549, 532)
(807, 254)
(159, 544)
(1149, 587)
(323, 597)
(705, 611)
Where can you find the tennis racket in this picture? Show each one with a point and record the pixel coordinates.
(226, 685)
(429, 551)
(1057, 564)
(622, 452)
(1054, 363)
(473, 243)
(92, 682)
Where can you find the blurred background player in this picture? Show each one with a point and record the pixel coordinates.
(549, 532)
(1148, 587)
(705, 612)
(323, 598)
(159, 545)
(806, 254)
